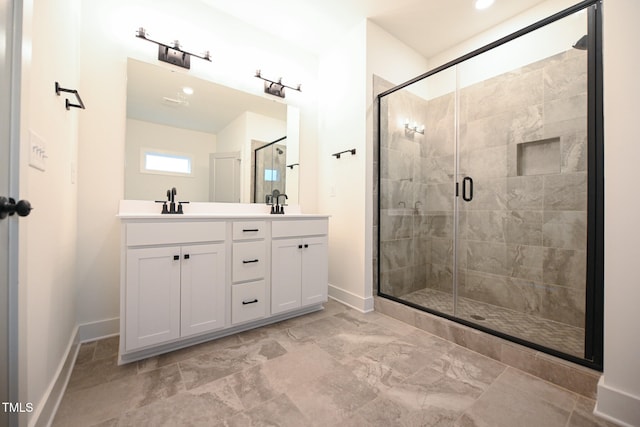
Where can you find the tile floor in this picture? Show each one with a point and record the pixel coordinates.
(336, 367)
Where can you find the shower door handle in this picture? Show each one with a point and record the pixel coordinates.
(467, 196)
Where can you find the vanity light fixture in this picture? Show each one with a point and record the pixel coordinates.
(275, 88)
(413, 127)
(173, 54)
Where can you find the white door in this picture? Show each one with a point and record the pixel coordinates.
(9, 138)
(285, 274)
(224, 177)
(202, 288)
(315, 276)
(153, 296)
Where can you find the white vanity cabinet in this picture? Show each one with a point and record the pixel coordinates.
(299, 258)
(173, 290)
(187, 279)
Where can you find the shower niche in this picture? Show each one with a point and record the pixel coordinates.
(488, 218)
(538, 157)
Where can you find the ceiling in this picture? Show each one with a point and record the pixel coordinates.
(427, 26)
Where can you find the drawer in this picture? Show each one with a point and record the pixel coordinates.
(248, 301)
(293, 228)
(249, 260)
(247, 230)
(175, 233)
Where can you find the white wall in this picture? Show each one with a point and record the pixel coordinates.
(48, 236)
(516, 23)
(146, 135)
(619, 388)
(341, 191)
(107, 30)
(345, 184)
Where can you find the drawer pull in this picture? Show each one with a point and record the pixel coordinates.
(248, 230)
(250, 302)
(244, 261)
(176, 257)
(186, 256)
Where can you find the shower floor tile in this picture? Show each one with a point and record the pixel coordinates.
(548, 333)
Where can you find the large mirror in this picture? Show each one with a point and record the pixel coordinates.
(202, 137)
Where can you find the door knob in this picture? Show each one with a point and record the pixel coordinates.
(8, 206)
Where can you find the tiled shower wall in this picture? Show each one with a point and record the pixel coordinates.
(522, 239)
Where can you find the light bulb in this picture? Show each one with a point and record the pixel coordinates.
(483, 4)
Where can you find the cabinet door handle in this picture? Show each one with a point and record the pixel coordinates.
(176, 257)
(245, 261)
(250, 302)
(299, 246)
(306, 245)
(247, 230)
(186, 256)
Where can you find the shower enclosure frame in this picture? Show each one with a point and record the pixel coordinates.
(594, 298)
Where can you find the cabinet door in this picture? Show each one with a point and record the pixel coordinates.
(203, 288)
(314, 270)
(285, 274)
(153, 296)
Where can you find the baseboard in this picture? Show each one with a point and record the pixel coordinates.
(100, 329)
(617, 406)
(363, 305)
(45, 411)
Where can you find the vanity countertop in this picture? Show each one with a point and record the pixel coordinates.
(144, 209)
(217, 216)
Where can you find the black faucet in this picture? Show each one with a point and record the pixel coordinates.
(282, 205)
(277, 208)
(171, 200)
(171, 194)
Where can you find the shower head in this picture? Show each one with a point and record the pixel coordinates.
(581, 44)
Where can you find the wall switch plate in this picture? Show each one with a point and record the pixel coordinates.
(37, 152)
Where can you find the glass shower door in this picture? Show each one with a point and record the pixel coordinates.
(522, 210)
(417, 193)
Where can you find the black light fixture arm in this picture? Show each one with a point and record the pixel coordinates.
(352, 151)
(67, 103)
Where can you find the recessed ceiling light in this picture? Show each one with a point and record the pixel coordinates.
(483, 4)
(187, 90)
